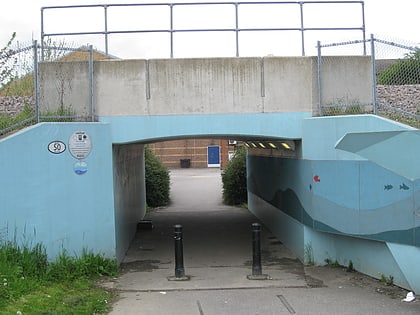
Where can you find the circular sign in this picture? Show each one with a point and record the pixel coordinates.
(80, 145)
(56, 147)
(80, 167)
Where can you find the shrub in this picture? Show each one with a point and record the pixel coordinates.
(157, 181)
(405, 71)
(234, 179)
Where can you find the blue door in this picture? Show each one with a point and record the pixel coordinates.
(213, 156)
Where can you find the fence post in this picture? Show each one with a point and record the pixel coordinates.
(36, 81)
(319, 78)
(302, 29)
(373, 61)
(91, 83)
(237, 28)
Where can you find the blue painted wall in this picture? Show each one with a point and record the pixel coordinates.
(126, 129)
(343, 205)
(44, 200)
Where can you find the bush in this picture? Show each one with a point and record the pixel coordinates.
(234, 179)
(157, 181)
(405, 71)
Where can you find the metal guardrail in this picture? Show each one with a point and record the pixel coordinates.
(236, 18)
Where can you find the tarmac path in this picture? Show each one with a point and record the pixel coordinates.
(217, 246)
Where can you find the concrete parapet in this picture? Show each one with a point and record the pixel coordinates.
(205, 86)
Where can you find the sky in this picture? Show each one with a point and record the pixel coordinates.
(386, 19)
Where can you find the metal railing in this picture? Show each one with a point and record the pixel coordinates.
(236, 18)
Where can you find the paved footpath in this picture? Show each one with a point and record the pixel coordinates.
(218, 258)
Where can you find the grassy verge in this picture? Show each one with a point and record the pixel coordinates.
(29, 284)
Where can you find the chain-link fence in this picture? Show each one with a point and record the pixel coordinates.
(390, 84)
(21, 102)
(17, 103)
(394, 80)
(398, 81)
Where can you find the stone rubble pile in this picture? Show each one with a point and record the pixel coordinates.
(12, 105)
(402, 97)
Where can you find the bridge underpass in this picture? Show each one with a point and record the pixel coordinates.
(217, 242)
(341, 197)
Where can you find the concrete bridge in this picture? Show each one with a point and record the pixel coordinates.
(349, 191)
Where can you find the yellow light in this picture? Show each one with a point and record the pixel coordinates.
(261, 145)
(285, 145)
(272, 145)
(253, 144)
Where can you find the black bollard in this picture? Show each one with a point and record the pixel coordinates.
(179, 252)
(256, 249)
(256, 254)
(179, 256)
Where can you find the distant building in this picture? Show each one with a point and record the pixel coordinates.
(194, 153)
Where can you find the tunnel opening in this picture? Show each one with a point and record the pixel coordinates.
(216, 237)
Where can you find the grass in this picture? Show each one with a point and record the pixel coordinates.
(30, 284)
(7, 121)
(19, 87)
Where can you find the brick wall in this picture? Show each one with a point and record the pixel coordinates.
(170, 153)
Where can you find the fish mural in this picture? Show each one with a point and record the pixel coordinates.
(404, 187)
(388, 187)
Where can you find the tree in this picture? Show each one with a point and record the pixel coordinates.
(8, 62)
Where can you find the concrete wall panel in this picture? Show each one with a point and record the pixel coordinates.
(200, 86)
(120, 87)
(65, 85)
(290, 84)
(346, 80)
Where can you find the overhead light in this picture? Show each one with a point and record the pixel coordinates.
(246, 144)
(285, 145)
(261, 145)
(253, 144)
(272, 145)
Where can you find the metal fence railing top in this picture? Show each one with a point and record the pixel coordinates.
(175, 20)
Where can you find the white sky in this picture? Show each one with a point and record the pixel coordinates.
(386, 19)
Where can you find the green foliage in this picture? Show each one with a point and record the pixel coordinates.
(309, 254)
(26, 114)
(23, 86)
(31, 285)
(234, 179)
(350, 267)
(157, 181)
(332, 263)
(405, 71)
(88, 266)
(7, 62)
(387, 280)
(344, 106)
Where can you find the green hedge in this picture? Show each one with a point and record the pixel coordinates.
(157, 181)
(234, 179)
